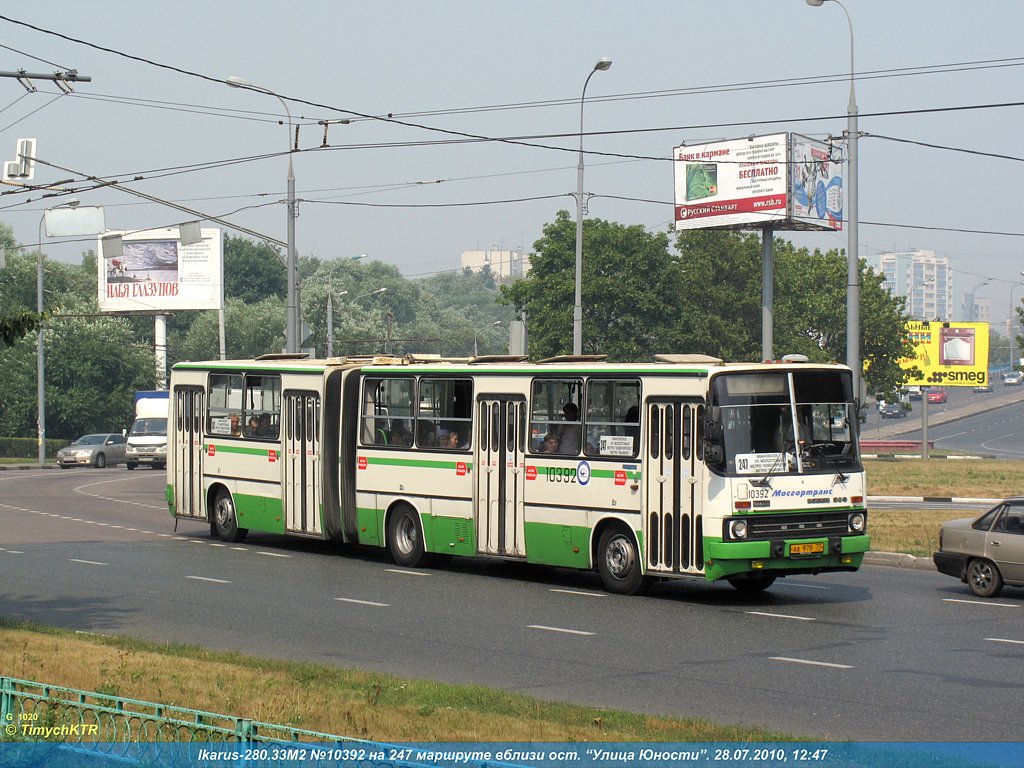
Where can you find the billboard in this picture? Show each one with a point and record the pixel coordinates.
(787, 181)
(153, 271)
(947, 354)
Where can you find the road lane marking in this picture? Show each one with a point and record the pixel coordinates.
(802, 586)
(1004, 640)
(87, 562)
(563, 630)
(361, 602)
(781, 616)
(403, 572)
(204, 578)
(577, 592)
(12, 551)
(979, 602)
(273, 554)
(809, 662)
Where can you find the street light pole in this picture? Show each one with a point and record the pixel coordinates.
(853, 246)
(292, 260)
(602, 65)
(476, 335)
(970, 304)
(1009, 328)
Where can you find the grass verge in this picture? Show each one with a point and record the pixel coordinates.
(327, 699)
(974, 478)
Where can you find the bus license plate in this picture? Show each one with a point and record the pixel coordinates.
(813, 548)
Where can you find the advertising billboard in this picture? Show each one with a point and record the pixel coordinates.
(153, 271)
(788, 182)
(947, 354)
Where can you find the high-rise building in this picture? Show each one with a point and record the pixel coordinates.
(505, 265)
(924, 280)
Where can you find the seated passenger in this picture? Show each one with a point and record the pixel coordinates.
(236, 426)
(253, 428)
(569, 434)
(551, 443)
(399, 436)
(265, 428)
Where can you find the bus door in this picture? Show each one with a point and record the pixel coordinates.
(300, 433)
(673, 522)
(189, 416)
(500, 475)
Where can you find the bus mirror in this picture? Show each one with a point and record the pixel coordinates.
(713, 425)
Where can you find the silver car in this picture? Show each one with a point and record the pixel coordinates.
(985, 552)
(100, 450)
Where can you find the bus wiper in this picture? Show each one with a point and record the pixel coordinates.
(766, 481)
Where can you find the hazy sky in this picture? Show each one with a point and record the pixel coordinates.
(690, 71)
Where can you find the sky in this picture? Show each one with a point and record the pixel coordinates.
(482, 144)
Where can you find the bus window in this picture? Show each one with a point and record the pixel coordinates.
(444, 417)
(613, 418)
(262, 401)
(555, 409)
(387, 412)
(225, 402)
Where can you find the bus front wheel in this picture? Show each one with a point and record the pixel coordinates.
(225, 522)
(618, 562)
(405, 540)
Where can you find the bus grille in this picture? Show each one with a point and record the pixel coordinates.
(781, 526)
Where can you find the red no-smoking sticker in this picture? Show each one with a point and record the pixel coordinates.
(620, 477)
(362, 462)
(531, 473)
(460, 468)
(272, 455)
(211, 449)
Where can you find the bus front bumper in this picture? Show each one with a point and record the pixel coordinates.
(779, 557)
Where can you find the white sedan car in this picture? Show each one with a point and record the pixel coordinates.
(100, 450)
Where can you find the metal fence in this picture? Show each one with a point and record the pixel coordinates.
(154, 734)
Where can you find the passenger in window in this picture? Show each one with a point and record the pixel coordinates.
(236, 425)
(569, 434)
(253, 429)
(265, 429)
(632, 421)
(425, 436)
(551, 443)
(399, 436)
(450, 440)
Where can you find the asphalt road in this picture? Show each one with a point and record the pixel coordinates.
(882, 654)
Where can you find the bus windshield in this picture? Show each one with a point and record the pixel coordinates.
(778, 423)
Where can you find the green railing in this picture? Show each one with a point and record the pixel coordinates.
(140, 731)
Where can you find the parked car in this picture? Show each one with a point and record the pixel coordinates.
(1012, 380)
(985, 552)
(100, 450)
(892, 411)
(914, 392)
(983, 388)
(937, 395)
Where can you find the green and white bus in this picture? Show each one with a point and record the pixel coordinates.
(686, 467)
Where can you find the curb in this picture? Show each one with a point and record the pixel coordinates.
(932, 500)
(16, 467)
(899, 560)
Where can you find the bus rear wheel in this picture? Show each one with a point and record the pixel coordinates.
(225, 522)
(618, 562)
(405, 539)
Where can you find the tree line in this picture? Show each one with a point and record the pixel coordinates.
(643, 293)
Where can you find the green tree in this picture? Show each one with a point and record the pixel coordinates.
(253, 271)
(630, 287)
(250, 330)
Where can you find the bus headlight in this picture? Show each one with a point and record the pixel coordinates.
(857, 522)
(737, 529)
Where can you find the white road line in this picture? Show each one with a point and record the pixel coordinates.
(1004, 640)
(979, 602)
(559, 629)
(204, 578)
(12, 551)
(361, 602)
(272, 554)
(809, 662)
(802, 586)
(87, 562)
(582, 594)
(780, 616)
(404, 572)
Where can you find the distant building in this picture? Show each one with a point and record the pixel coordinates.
(505, 265)
(924, 280)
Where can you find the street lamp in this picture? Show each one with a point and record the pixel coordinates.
(40, 342)
(330, 311)
(602, 65)
(970, 304)
(852, 247)
(1009, 328)
(476, 334)
(292, 261)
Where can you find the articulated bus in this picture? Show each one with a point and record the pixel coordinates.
(683, 467)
